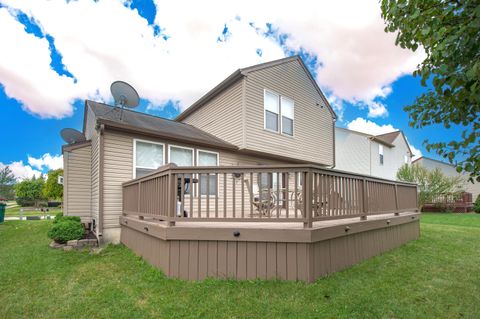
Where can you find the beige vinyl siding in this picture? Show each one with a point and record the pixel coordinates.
(118, 168)
(77, 183)
(352, 151)
(221, 116)
(95, 175)
(313, 125)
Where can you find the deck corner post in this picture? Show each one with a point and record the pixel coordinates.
(397, 213)
(308, 223)
(365, 200)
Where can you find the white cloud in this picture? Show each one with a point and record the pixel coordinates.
(376, 109)
(372, 128)
(369, 127)
(21, 171)
(46, 161)
(104, 41)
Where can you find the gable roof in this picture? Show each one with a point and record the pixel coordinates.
(388, 137)
(431, 159)
(240, 73)
(153, 125)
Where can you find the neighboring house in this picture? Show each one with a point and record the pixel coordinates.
(375, 155)
(272, 113)
(449, 170)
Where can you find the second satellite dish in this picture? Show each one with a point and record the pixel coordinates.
(124, 94)
(72, 136)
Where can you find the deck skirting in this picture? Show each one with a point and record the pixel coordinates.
(195, 253)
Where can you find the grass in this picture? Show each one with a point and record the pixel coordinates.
(14, 211)
(437, 276)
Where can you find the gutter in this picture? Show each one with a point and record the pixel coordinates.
(100, 179)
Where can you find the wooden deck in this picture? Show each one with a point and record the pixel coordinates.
(293, 222)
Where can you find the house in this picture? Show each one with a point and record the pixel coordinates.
(374, 155)
(449, 170)
(243, 173)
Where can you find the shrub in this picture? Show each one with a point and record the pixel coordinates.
(66, 230)
(57, 218)
(476, 205)
(60, 218)
(25, 202)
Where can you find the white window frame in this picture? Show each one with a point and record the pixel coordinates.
(135, 140)
(185, 148)
(265, 112)
(197, 160)
(279, 114)
(381, 156)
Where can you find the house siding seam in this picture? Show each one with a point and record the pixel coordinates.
(222, 115)
(313, 124)
(77, 183)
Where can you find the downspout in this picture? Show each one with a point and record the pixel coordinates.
(244, 113)
(334, 145)
(100, 180)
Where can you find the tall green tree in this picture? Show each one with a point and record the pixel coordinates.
(449, 32)
(30, 191)
(7, 183)
(53, 190)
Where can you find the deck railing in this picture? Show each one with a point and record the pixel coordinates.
(273, 193)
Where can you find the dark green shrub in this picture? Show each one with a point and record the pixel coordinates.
(66, 230)
(476, 205)
(57, 218)
(25, 202)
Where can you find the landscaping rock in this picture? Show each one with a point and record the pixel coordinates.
(72, 242)
(56, 245)
(66, 248)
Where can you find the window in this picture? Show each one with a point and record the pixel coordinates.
(279, 113)
(271, 111)
(380, 153)
(147, 158)
(205, 158)
(287, 116)
(182, 156)
(405, 157)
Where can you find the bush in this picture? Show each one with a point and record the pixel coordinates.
(25, 202)
(476, 205)
(66, 230)
(57, 218)
(60, 218)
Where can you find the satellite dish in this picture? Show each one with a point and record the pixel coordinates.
(72, 136)
(124, 94)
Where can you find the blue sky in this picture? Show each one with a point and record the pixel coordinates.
(62, 75)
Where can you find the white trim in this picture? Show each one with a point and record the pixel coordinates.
(185, 148)
(197, 191)
(135, 140)
(265, 111)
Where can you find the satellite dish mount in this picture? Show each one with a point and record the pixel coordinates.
(125, 96)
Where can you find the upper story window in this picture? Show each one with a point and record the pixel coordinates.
(148, 157)
(380, 153)
(405, 158)
(279, 113)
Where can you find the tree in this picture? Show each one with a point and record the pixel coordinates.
(431, 183)
(53, 190)
(449, 31)
(30, 191)
(7, 183)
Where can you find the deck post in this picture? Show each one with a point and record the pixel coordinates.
(307, 195)
(172, 198)
(397, 213)
(365, 200)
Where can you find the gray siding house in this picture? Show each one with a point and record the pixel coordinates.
(374, 155)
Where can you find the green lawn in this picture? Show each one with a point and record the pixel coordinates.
(437, 276)
(15, 211)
